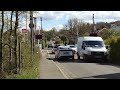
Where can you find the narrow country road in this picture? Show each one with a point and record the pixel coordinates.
(75, 69)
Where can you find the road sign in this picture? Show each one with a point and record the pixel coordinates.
(24, 31)
(38, 36)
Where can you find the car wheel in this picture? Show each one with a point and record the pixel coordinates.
(78, 56)
(105, 60)
(73, 58)
(58, 59)
(84, 58)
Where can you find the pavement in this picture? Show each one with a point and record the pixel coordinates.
(48, 69)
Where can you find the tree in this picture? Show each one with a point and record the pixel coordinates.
(1, 42)
(15, 42)
(63, 38)
(10, 59)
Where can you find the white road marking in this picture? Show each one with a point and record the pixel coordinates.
(61, 71)
(67, 72)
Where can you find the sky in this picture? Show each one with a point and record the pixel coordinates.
(58, 19)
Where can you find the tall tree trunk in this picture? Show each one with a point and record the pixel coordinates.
(1, 41)
(10, 59)
(15, 43)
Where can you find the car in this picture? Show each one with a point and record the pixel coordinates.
(89, 47)
(50, 46)
(73, 47)
(55, 48)
(64, 52)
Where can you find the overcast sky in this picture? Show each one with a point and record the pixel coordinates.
(59, 18)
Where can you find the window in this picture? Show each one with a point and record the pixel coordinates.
(93, 43)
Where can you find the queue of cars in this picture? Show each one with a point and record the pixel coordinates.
(62, 51)
(87, 47)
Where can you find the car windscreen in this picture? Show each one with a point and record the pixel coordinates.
(93, 43)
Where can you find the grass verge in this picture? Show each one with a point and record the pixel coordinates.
(30, 69)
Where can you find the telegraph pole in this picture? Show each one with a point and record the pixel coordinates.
(26, 20)
(31, 25)
(26, 26)
(94, 28)
(7, 28)
(41, 31)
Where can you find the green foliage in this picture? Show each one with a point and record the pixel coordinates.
(30, 70)
(106, 34)
(115, 49)
(63, 38)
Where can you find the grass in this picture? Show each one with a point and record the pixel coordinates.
(30, 69)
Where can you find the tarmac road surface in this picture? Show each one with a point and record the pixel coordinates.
(75, 69)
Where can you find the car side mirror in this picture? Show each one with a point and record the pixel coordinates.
(83, 47)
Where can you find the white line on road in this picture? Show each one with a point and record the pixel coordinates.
(61, 71)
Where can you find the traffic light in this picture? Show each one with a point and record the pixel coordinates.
(38, 36)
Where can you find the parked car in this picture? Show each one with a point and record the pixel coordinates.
(73, 47)
(91, 48)
(64, 52)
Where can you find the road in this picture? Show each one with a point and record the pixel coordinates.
(78, 69)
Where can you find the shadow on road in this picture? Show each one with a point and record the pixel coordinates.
(51, 59)
(99, 62)
(104, 76)
(66, 60)
(78, 61)
(51, 53)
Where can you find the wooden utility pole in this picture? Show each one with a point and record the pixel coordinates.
(15, 43)
(26, 28)
(19, 65)
(31, 25)
(41, 31)
(34, 33)
(26, 20)
(94, 28)
(1, 34)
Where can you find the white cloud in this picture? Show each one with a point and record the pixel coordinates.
(58, 27)
(86, 15)
(50, 15)
(100, 16)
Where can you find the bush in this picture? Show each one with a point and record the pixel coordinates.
(115, 49)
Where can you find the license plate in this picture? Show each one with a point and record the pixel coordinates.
(66, 52)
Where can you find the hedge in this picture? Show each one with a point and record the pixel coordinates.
(114, 52)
